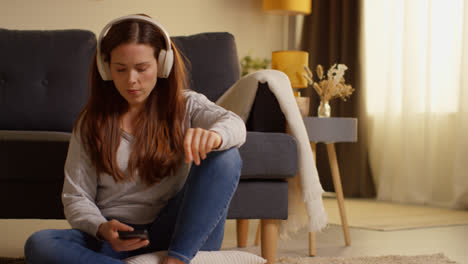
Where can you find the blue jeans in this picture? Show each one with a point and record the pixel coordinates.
(191, 221)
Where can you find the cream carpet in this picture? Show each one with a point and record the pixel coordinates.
(422, 259)
(385, 216)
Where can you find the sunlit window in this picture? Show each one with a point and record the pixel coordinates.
(413, 53)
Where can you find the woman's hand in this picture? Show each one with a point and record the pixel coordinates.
(198, 142)
(108, 232)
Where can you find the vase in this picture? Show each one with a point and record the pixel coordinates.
(324, 109)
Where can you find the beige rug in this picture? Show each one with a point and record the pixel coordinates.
(385, 216)
(422, 259)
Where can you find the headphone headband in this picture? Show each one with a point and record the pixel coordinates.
(165, 58)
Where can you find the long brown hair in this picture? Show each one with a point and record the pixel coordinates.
(157, 147)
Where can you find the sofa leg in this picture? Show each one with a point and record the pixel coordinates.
(312, 244)
(242, 228)
(269, 234)
(257, 235)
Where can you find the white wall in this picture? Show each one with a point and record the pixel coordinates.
(255, 31)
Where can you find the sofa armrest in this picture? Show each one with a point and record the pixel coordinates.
(268, 155)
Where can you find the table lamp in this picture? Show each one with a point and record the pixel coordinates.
(292, 63)
(291, 9)
(288, 7)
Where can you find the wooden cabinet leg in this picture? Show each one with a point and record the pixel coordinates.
(242, 228)
(269, 234)
(338, 190)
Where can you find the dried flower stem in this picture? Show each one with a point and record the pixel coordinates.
(331, 87)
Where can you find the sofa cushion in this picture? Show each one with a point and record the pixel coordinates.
(214, 63)
(43, 78)
(202, 257)
(268, 156)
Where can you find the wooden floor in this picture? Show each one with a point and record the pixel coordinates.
(452, 241)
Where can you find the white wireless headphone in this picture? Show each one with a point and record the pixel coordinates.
(165, 58)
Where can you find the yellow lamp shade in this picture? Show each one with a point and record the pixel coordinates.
(292, 63)
(288, 7)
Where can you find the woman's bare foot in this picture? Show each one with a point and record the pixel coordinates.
(172, 260)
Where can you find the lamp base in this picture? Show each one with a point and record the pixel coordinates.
(304, 105)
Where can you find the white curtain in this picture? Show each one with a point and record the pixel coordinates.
(416, 81)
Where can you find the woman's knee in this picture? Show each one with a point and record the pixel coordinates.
(220, 168)
(39, 238)
(225, 165)
(229, 159)
(37, 244)
(41, 245)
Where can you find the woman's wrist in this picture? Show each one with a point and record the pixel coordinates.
(99, 232)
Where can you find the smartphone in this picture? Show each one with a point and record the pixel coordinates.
(138, 233)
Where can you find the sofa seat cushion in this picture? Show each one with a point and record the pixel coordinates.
(33, 156)
(268, 156)
(32, 175)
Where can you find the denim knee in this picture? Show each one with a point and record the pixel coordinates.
(229, 160)
(37, 246)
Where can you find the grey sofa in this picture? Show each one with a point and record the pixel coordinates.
(43, 86)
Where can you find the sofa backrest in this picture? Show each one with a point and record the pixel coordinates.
(43, 74)
(214, 64)
(43, 78)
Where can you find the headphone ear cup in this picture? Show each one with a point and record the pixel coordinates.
(169, 62)
(165, 61)
(107, 72)
(161, 61)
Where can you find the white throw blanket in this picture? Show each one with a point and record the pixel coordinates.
(239, 98)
